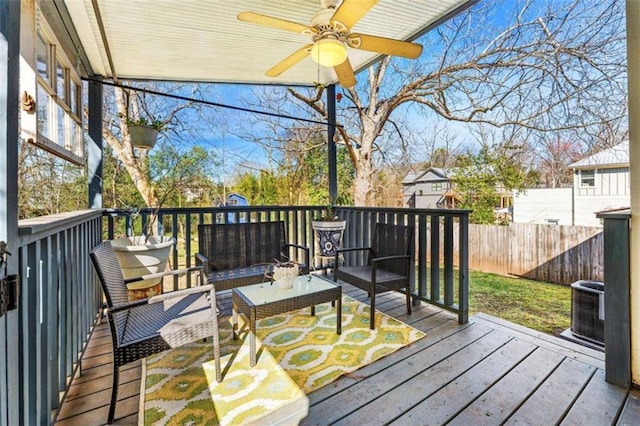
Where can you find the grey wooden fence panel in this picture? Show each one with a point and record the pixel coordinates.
(559, 254)
(551, 253)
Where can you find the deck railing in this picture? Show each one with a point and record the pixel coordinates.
(60, 297)
(435, 244)
(59, 301)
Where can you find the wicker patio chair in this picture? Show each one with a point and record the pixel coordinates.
(148, 326)
(387, 264)
(238, 254)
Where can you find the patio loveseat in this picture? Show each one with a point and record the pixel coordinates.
(238, 254)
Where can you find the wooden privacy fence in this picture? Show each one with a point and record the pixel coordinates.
(552, 253)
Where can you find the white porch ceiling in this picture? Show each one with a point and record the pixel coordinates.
(197, 40)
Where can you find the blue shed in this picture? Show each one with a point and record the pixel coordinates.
(234, 199)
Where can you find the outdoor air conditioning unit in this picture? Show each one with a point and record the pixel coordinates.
(587, 310)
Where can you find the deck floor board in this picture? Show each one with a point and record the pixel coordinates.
(504, 397)
(548, 403)
(489, 371)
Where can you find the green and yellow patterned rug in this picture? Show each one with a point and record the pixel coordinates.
(297, 354)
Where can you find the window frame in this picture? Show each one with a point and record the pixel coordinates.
(591, 176)
(64, 136)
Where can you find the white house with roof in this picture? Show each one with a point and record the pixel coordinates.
(600, 182)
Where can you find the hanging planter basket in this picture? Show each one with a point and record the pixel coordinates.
(143, 136)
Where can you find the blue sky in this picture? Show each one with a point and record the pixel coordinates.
(236, 150)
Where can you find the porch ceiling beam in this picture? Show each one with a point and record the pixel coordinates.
(105, 41)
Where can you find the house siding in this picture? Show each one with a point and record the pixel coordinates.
(543, 206)
(586, 207)
(611, 191)
(614, 181)
(607, 188)
(420, 192)
(427, 201)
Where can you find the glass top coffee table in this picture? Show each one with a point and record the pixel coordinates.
(263, 300)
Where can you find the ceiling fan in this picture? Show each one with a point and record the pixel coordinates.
(330, 33)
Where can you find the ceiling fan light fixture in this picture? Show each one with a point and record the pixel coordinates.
(329, 52)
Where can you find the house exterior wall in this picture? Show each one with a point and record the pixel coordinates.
(611, 181)
(609, 191)
(543, 206)
(11, 323)
(429, 193)
(426, 191)
(633, 61)
(427, 201)
(236, 200)
(408, 199)
(586, 207)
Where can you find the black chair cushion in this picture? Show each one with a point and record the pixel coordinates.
(360, 276)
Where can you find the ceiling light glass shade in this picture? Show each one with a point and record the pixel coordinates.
(329, 52)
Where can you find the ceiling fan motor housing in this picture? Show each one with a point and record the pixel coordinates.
(321, 21)
(329, 4)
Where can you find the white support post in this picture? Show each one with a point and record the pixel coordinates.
(633, 70)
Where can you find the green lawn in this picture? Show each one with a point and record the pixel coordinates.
(542, 306)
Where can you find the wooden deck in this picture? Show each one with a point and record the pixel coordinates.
(488, 372)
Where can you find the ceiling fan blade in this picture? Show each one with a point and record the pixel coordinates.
(351, 11)
(289, 61)
(388, 46)
(345, 74)
(270, 21)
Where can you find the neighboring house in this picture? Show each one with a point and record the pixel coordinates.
(430, 189)
(434, 188)
(600, 182)
(233, 199)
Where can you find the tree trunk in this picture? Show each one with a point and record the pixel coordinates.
(363, 190)
(124, 150)
(363, 186)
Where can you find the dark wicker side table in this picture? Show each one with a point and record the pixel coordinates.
(263, 300)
